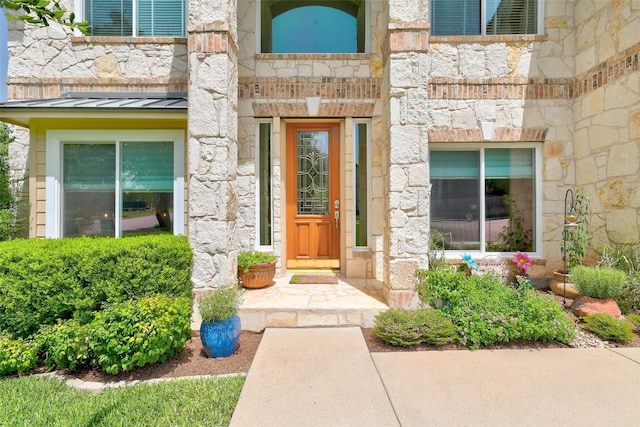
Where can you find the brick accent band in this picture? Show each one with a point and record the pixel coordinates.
(301, 87)
(609, 71)
(500, 89)
(209, 42)
(408, 40)
(499, 135)
(34, 88)
(299, 109)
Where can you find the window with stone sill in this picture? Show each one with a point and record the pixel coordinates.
(485, 17)
(312, 26)
(485, 199)
(137, 18)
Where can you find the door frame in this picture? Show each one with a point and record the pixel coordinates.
(336, 128)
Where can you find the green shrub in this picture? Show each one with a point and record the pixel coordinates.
(16, 355)
(9, 223)
(596, 282)
(444, 282)
(43, 281)
(136, 333)
(64, 345)
(629, 300)
(405, 328)
(221, 304)
(634, 319)
(609, 328)
(485, 311)
(624, 257)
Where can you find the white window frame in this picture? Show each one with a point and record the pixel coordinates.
(79, 8)
(53, 181)
(367, 122)
(367, 29)
(483, 20)
(538, 223)
(258, 246)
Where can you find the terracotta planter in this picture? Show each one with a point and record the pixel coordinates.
(559, 287)
(258, 276)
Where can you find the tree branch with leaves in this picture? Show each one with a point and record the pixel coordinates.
(42, 12)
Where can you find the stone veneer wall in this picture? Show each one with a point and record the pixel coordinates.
(213, 150)
(406, 212)
(607, 116)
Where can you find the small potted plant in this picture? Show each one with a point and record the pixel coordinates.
(256, 269)
(220, 327)
(599, 286)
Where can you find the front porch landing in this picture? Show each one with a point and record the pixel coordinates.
(352, 302)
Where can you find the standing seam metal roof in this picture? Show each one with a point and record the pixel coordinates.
(144, 100)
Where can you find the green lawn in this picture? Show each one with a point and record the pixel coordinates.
(38, 401)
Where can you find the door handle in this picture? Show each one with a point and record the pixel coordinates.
(336, 215)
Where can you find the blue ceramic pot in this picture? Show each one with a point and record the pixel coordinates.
(220, 339)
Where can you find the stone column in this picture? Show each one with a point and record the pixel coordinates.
(213, 152)
(406, 187)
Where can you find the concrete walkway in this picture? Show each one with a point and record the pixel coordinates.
(327, 377)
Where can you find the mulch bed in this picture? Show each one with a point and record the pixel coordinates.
(191, 362)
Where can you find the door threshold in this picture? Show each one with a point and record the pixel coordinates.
(327, 271)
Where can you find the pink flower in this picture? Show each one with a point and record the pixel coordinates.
(522, 262)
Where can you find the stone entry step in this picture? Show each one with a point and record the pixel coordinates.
(351, 302)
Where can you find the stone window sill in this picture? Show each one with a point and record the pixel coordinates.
(313, 56)
(489, 38)
(128, 40)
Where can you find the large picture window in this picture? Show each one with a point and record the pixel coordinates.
(312, 26)
(114, 185)
(485, 17)
(484, 199)
(151, 18)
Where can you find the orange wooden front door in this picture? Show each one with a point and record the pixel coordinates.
(313, 195)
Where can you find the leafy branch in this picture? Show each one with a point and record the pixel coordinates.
(42, 12)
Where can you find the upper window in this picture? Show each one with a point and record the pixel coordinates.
(484, 17)
(136, 17)
(312, 26)
(485, 199)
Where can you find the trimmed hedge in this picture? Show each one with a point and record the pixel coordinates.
(124, 336)
(43, 281)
